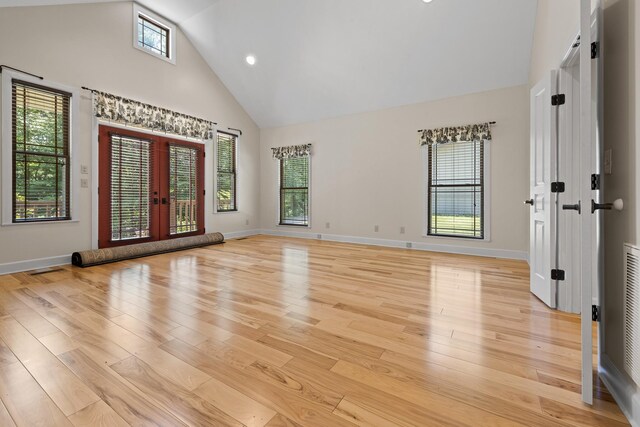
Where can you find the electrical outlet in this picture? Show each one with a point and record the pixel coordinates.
(376, 228)
(409, 245)
(84, 183)
(246, 222)
(319, 236)
(328, 225)
(84, 169)
(402, 230)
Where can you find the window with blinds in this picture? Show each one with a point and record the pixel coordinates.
(294, 191)
(41, 122)
(131, 188)
(183, 189)
(226, 194)
(456, 190)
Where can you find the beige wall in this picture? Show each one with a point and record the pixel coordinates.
(557, 25)
(367, 169)
(91, 45)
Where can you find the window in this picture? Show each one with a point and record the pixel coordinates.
(456, 190)
(226, 194)
(41, 128)
(183, 189)
(294, 191)
(131, 166)
(153, 35)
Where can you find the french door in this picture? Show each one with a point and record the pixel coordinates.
(150, 188)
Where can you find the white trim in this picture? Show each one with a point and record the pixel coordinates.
(421, 246)
(487, 196)
(6, 149)
(34, 264)
(240, 234)
(161, 22)
(623, 390)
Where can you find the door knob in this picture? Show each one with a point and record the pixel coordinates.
(529, 202)
(576, 207)
(618, 205)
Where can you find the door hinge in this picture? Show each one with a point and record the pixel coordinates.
(557, 100)
(557, 187)
(595, 313)
(557, 274)
(204, 192)
(595, 50)
(595, 181)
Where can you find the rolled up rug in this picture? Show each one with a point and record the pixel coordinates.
(121, 253)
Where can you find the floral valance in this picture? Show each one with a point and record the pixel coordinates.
(127, 111)
(479, 132)
(291, 152)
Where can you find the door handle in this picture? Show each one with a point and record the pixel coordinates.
(576, 207)
(529, 202)
(164, 200)
(618, 205)
(155, 200)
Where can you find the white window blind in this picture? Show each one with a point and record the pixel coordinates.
(294, 191)
(41, 169)
(455, 190)
(226, 191)
(183, 189)
(131, 188)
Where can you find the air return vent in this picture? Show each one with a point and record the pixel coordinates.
(632, 312)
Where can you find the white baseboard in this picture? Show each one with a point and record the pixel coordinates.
(240, 234)
(462, 250)
(624, 391)
(34, 264)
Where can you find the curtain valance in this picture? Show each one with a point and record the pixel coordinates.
(127, 111)
(291, 152)
(478, 132)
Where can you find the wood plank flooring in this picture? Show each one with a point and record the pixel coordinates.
(269, 331)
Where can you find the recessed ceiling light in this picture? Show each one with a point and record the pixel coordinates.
(427, 1)
(251, 60)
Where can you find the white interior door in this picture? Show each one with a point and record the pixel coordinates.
(543, 202)
(590, 166)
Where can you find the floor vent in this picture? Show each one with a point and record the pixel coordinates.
(632, 312)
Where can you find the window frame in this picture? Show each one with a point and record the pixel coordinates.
(486, 202)
(235, 174)
(7, 165)
(146, 14)
(279, 198)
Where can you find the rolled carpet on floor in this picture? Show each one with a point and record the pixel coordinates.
(121, 253)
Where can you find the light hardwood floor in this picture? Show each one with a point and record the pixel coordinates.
(270, 331)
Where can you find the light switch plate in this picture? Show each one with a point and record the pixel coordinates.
(84, 183)
(84, 169)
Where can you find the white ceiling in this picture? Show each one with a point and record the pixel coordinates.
(325, 58)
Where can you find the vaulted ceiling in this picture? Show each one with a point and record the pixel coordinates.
(325, 58)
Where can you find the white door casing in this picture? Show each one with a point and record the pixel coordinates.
(543, 169)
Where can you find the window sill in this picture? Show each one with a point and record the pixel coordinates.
(65, 221)
(454, 238)
(293, 225)
(226, 212)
